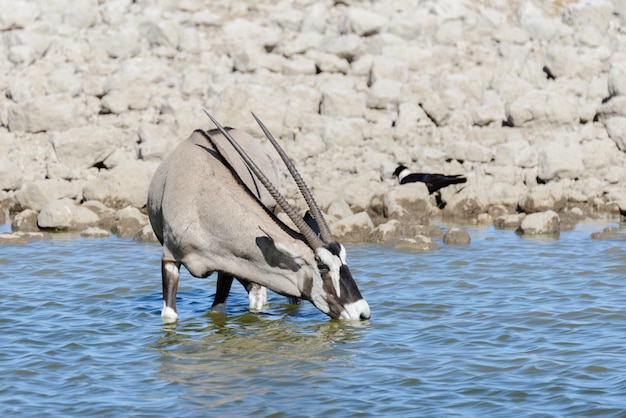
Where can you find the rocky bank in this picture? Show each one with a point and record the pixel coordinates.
(527, 99)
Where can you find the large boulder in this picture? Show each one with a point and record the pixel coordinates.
(39, 193)
(86, 146)
(125, 184)
(543, 197)
(540, 223)
(56, 112)
(66, 214)
(408, 203)
(353, 228)
(10, 175)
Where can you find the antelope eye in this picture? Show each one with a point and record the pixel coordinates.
(323, 268)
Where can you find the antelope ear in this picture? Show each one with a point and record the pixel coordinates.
(279, 254)
(312, 223)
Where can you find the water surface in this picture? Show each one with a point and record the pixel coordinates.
(505, 326)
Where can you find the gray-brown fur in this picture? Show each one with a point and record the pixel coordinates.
(210, 214)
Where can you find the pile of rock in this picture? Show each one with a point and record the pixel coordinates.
(526, 99)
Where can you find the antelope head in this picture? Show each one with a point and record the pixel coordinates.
(332, 288)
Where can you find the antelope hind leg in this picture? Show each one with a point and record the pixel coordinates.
(170, 271)
(222, 289)
(257, 295)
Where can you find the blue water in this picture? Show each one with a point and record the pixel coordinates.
(505, 326)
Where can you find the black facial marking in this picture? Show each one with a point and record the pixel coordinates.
(334, 248)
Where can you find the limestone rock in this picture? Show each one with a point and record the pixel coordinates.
(25, 221)
(65, 214)
(57, 112)
(407, 202)
(10, 175)
(354, 228)
(512, 221)
(125, 184)
(39, 193)
(129, 221)
(560, 159)
(616, 127)
(540, 223)
(85, 147)
(363, 22)
(387, 231)
(146, 234)
(418, 243)
(94, 232)
(22, 237)
(456, 236)
(467, 203)
(542, 198)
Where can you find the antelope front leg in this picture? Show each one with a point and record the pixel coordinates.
(222, 289)
(170, 271)
(257, 295)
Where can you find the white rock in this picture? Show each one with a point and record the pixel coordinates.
(384, 94)
(17, 14)
(455, 236)
(599, 153)
(617, 79)
(468, 151)
(596, 14)
(123, 185)
(354, 228)
(130, 212)
(469, 202)
(65, 214)
(417, 243)
(39, 193)
(409, 202)
(339, 209)
(330, 63)
(64, 79)
(491, 109)
(616, 127)
(410, 118)
(300, 43)
(343, 132)
(562, 158)
(363, 22)
(239, 32)
(82, 14)
(540, 223)
(115, 101)
(517, 152)
(543, 197)
(85, 146)
(10, 175)
(348, 46)
(94, 232)
(343, 102)
(57, 112)
(537, 24)
(384, 67)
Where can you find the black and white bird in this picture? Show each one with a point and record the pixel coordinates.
(434, 182)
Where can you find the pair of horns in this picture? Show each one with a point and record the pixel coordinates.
(311, 237)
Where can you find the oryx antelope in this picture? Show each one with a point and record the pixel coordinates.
(210, 213)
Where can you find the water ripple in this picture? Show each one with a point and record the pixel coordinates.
(504, 326)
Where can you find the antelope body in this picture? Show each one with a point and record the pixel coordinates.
(210, 204)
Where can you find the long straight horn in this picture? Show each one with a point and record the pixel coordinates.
(310, 236)
(308, 196)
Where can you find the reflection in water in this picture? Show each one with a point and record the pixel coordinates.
(234, 358)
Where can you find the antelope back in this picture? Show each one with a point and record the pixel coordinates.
(240, 168)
